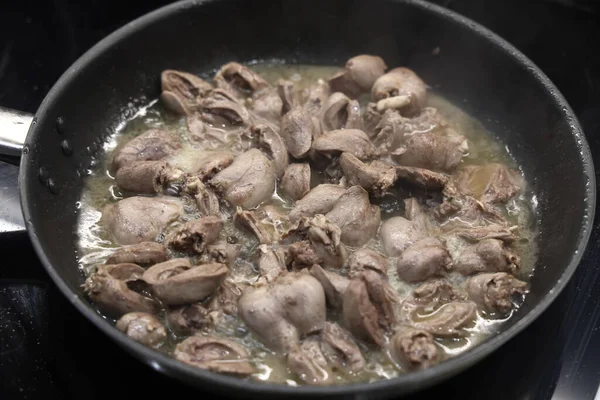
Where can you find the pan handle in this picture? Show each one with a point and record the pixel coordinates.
(14, 126)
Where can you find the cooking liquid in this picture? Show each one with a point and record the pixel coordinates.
(101, 189)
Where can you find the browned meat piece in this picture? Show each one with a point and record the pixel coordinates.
(177, 282)
(194, 235)
(288, 95)
(320, 200)
(247, 182)
(219, 107)
(138, 177)
(356, 217)
(334, 285)
(367, 307)
(488, 255)
(440, 150)
(142, 327)
(448, 320)
(181, 91)
(248, 220)
(490, 183)
(421, 177)
(360, 73)
(239, 79)
(142, 253)
(340, 349)
(267, 104)
(187, 319)
(220, 252)
(398, 233)
(492, 231)
(302, 255)
(107, 289)
(139, 219)
(226, 297)
(353, 141)
(308, 362)
(363, 259)
(433, 294)
(272, 145)
(297, 131)
(400, 89)
(281, 312)
(341, 113)
(493, 292)
(271, 263)
(295, 183)
(152, 145)
(424, 259)
(413, 348)
(325, 238)
(377, 178)
(315, 98)
(214, 354)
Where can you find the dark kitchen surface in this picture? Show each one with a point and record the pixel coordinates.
(49, 351)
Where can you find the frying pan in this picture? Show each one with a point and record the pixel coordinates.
(458, 58)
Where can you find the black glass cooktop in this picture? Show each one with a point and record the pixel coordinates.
(49, 351)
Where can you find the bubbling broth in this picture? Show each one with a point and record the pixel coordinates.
(306, 224)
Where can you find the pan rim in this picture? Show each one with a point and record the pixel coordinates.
(405, 383)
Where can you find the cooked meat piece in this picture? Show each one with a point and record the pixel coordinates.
(142, 327)
(187, 319)
(279, 313)
(492, 231)
(421, 177)
(436, 150)
(360, 73)
(152, 145)
(297, 131)
(398, 233)
(193, 236)
(357, 218)
(139, 219)
(377, 178)
(401, 89)
(334, 285)
(209, 163)
(247, 182)
(433, 294)
(382, 295)
(142, 253)
(272, 145)
(493, 291)
(424, 259)
(271, 263)
(325, 238)
(413, 348)
(315, 98)
(363, 259)
(214, 354)
(415, 213)
(220, 252)
(320, 200)
(490, 183)
(488, 255)
(219, 107)
(248, 220)
(341, 113)
(302, 255)
(226, 297)
(267, 104)
(448, 320)
(461, 212)
(295, 183)
(107, 289)
(181, 91)
(138, 177)
(239, 79)
(359, 313)
(353, 141)
(177, 282)
(288, 95)
(307, 362)
(340, 349)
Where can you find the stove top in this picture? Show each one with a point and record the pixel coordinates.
(49, 351)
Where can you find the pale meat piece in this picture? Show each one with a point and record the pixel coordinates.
(414, 348)
(152, 145)
(295, 183)
(320, 200)
(336, 142)
(181, 91)
(488, 255)
(297, 131)
(490, 183)
(142, 327)
(340, 113)
(215, 354)
(359, 75)
(424, 259)
(141, 253)
(194, 236)
(363, 259)
(400, 88)
(493, 291)
(239, 79)
(334, 285)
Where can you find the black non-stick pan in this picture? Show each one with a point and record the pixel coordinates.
(455, 56)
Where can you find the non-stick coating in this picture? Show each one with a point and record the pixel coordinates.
(471, 66)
